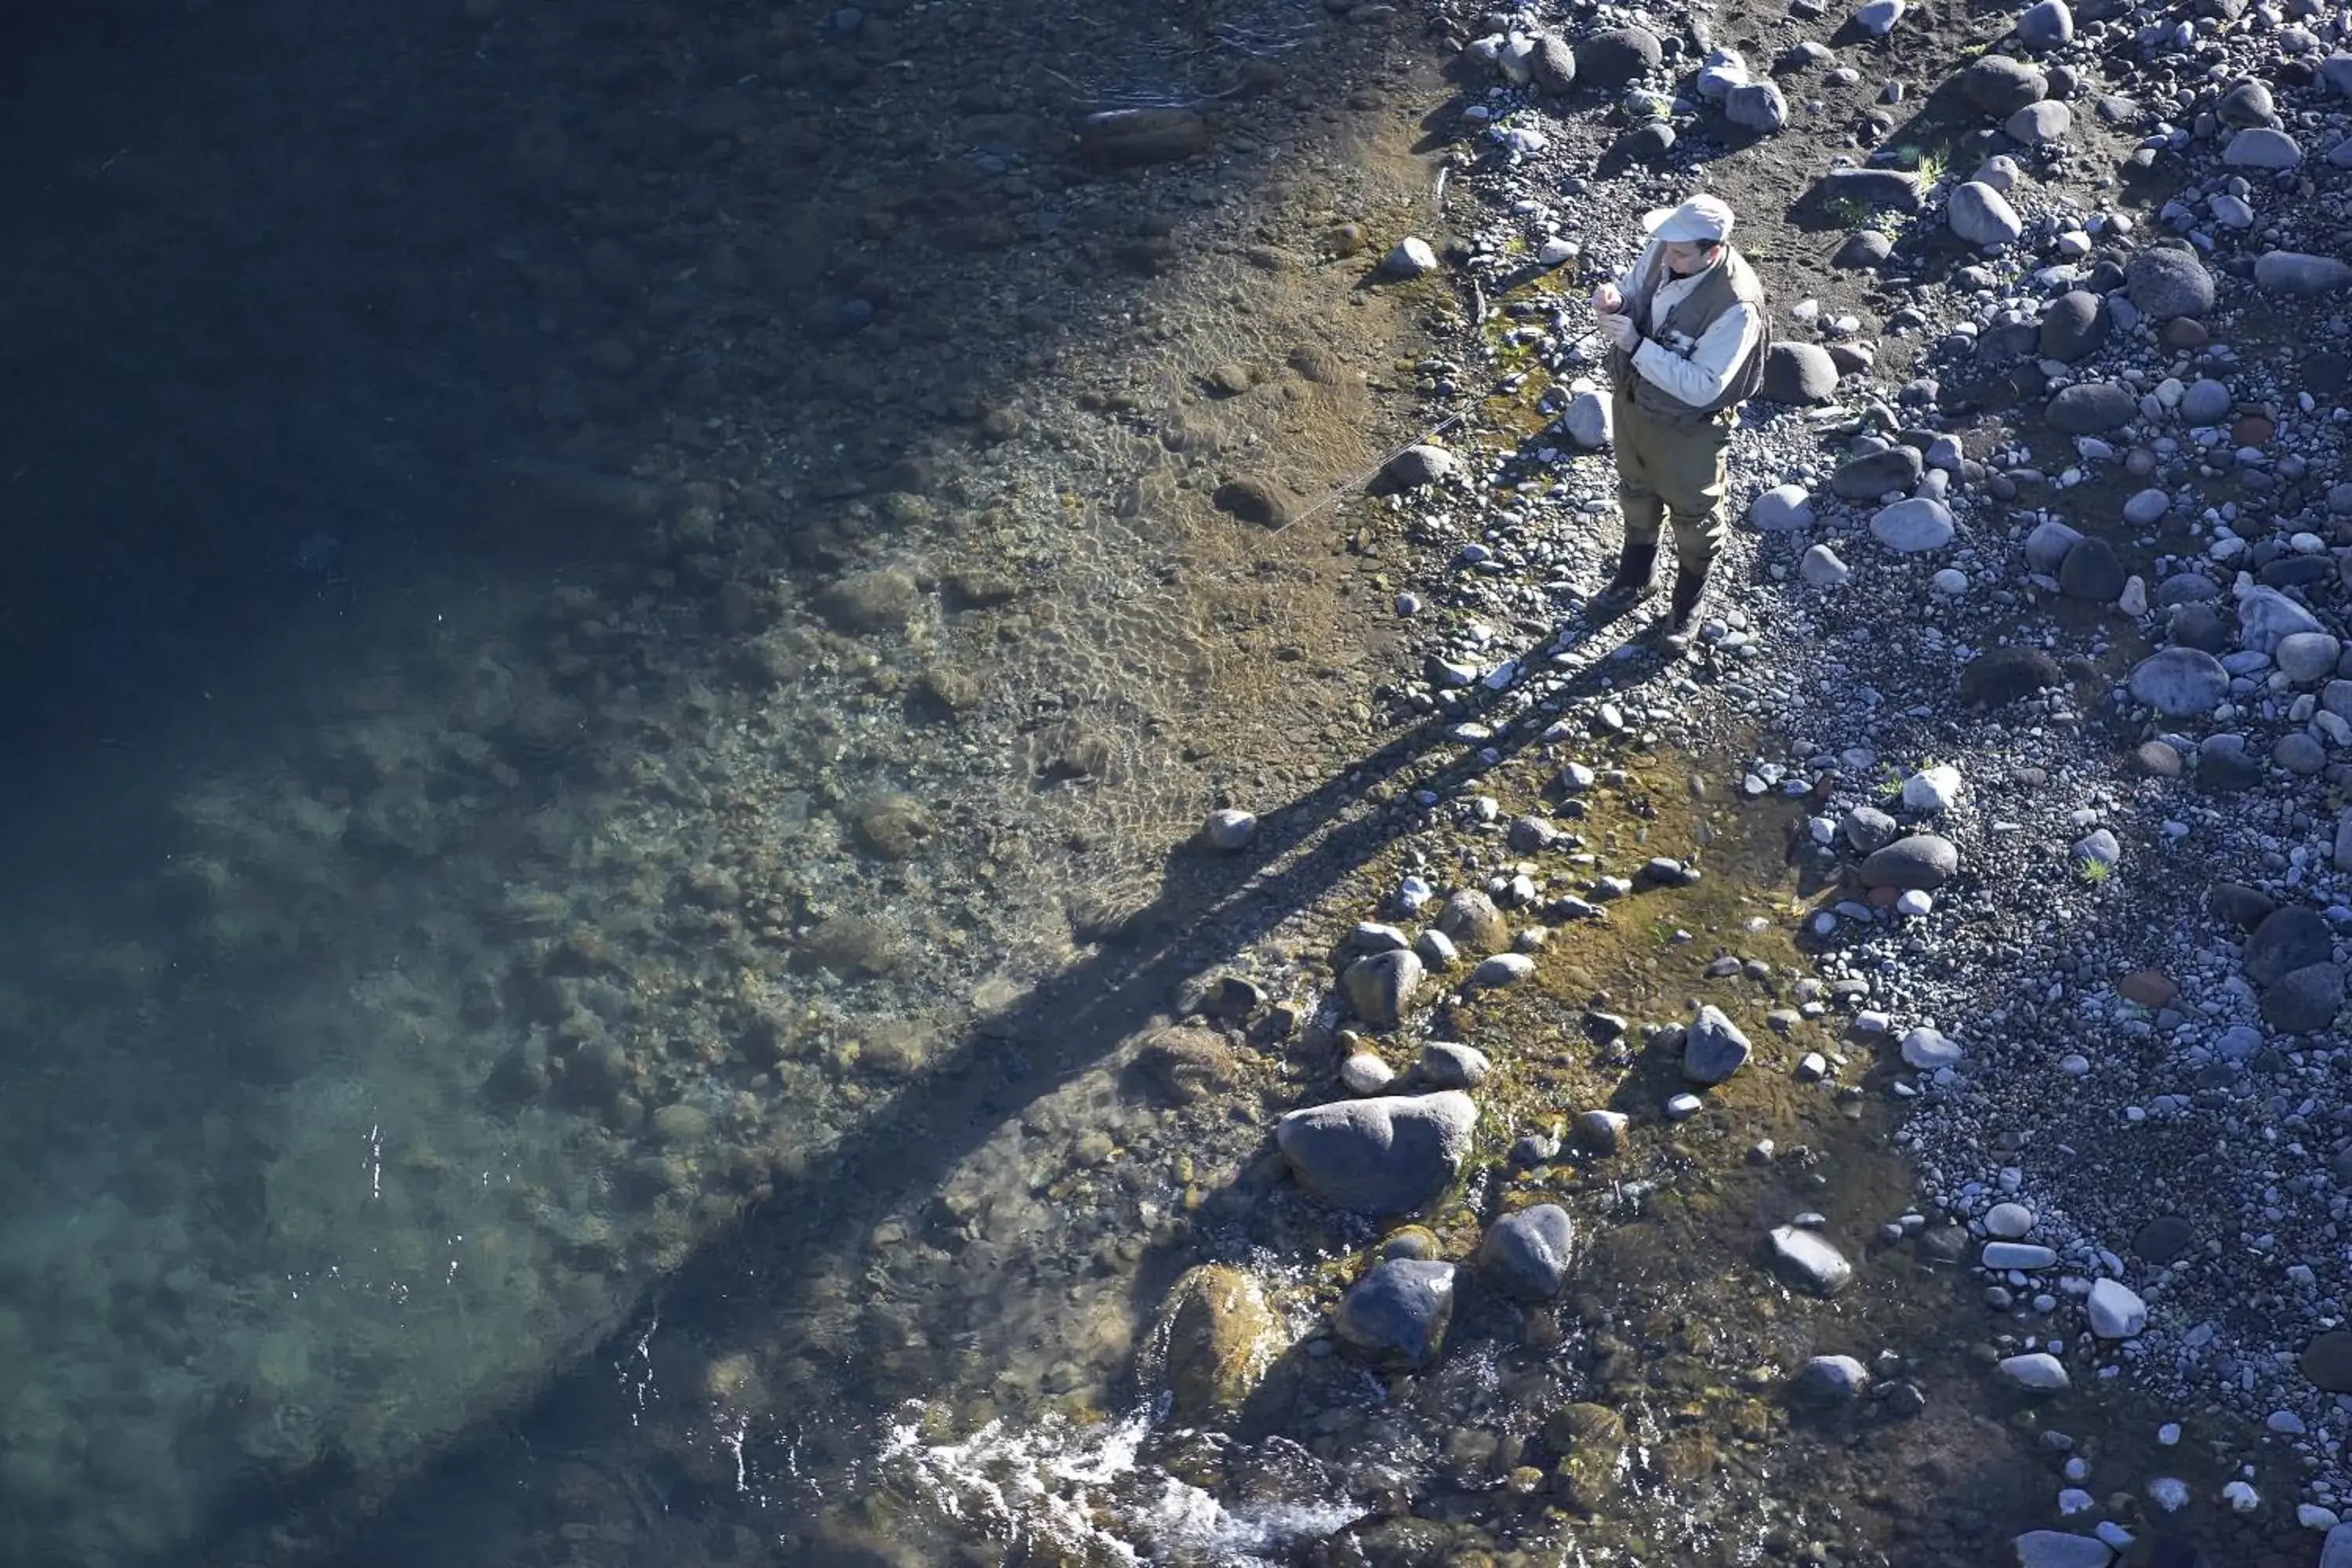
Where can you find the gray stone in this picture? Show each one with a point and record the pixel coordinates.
(2045, 24)
(1827, 1382)
(2260, 147)
(2291, 937)
(1380, 986)
(2179, 681)
(2096, 847)
(2239, 905)
(2146, 508)
(1863, 247)
(1527, 1254)
(2304, 1000)
(2336, 1549)
(2267, 618)
(2058, 1549)
(1877, 17)
(1552, 64)
(1908, 527)
(1756, 106)
(1982, 215)
(2092, 572)
(1388, 1155)
(2074, 324)
(1470, 917)
(1419, 465)
(1444, 1064)
(2046, 547)
(1590, 420)
(2294, 272)
(1399, 1310)
(1873, 474)
(2307, 656)
(2205, 400)
(1892, 189)
(2299, 755)
(1503, 969)
(1868, 829)
(1805, 1259)
(1821, 568)
(2326, 1362)
(1713, 1048)
(1783, 509)
(1409, 258)
(1925, 861)
(2247, 103)
(2197, 625)
(1617, 56)
(1798, 372)
(2037, 1372)
(2001, 86)
(2343, 852)
(2168, 281)
(2039, 124)
(2001, 676)
(2092, 407)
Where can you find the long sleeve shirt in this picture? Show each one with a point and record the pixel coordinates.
(1702, 371)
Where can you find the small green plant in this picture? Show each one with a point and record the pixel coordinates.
(2094, 871)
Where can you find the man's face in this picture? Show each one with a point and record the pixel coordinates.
(1685, 256)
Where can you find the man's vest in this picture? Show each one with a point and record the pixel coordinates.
(1731, 281)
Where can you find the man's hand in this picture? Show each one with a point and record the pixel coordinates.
(1619, 329)
(1607, 300)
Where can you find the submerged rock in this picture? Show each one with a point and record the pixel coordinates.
(1805, 1259)
(1527, 1254)
(1222, 1338)
(1400, 1310)
(1388, 1155)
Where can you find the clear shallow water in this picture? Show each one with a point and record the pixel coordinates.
(422, 949)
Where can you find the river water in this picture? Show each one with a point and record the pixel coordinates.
(615, 633)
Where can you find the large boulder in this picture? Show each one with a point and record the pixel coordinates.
(1982, 215)
(1922, 861)
(2001, 676)
(1222, 1338)
(1873, 474)
(2001, 86)
(2179, 681)
(1399, 1310)
(2304, 1001)
(2163, 281)
(1617, 56)
(2287, 940)
(1379, 987)
(2092, 407)
(2295, 272)
(1387, 1155)
(1798, 372)
(2074, 324)
(1910, 526)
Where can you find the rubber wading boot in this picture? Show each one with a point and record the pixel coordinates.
(1636, 568)
(1682, 608)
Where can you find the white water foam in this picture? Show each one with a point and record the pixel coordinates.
(1083, 1488)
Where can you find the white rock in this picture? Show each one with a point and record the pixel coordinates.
(1914, 902)
(1931, 790)
(1229, 828)
(1365, 1073)
(1587, 420)
(1821, 568)
(2009, 1222)
(1783, 509)
(2057, 1549)
(1927, 1049)
(2242, 1496)
(2311, 1516)
(2038, 1371)
(1411, 258)
(1556, 251)
(2004, 1255)
(2116, 1312)
(1909, 526)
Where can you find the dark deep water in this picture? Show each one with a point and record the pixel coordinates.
(410, 412)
